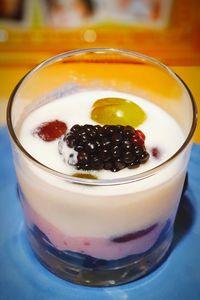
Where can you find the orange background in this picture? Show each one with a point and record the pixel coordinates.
(178, 46)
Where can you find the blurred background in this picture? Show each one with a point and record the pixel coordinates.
(33, 30)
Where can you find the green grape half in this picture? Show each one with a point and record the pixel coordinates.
(117, 111)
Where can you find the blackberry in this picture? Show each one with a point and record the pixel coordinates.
(106, 147)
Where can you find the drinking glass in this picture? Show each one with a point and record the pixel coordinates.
(76, 226)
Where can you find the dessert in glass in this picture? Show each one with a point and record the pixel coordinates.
(101, 140)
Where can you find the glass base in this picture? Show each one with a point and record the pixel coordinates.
(86, 270)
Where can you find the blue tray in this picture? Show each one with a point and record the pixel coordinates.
(23, 277)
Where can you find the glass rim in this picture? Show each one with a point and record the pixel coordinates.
(100, 182)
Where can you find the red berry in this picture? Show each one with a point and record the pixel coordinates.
(50, 131)
(155, 152)
(140, 134)
(138, 137)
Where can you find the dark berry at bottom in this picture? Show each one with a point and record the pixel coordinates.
(48, 250)
(107, 147)
(134, 235)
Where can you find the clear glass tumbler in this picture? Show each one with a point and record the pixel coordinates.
(61, 210)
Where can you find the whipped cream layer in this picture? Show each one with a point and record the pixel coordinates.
(101, 211)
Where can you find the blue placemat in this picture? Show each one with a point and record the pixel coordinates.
(22, 277)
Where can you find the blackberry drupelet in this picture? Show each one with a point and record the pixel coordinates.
(108, 147)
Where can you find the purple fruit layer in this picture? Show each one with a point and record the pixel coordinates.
(103, 248)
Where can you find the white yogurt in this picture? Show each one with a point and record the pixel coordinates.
(160, 129)
(101, 211)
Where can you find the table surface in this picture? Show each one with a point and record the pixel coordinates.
(23, 277)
